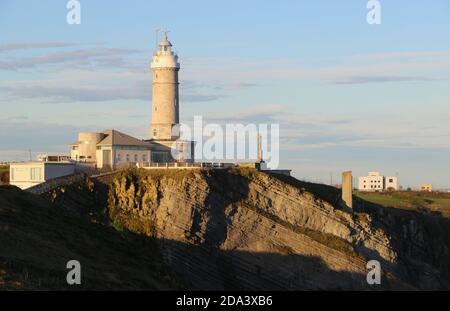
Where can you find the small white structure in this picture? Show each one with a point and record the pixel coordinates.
(28, 174)
(377, 182)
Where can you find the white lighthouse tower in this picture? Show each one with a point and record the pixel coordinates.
(165, 100)
(164, 127)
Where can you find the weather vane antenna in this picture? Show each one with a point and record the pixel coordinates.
(165, 34)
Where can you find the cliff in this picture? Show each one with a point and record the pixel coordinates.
(244, 229)
(240, 229)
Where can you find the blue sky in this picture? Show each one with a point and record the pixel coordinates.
(347, 95)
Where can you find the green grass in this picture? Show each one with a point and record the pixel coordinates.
(385, 200)
(410, 200)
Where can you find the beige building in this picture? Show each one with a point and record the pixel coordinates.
(28, 174)
(374, 181)
(426, 188)
(110, 149)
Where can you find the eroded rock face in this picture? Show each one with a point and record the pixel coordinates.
(249, 230)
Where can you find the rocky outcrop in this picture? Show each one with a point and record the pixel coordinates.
(243, 229)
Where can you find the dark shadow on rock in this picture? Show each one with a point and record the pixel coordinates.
(37, 240)
(416, 237)
(245, 270)
(227, 189)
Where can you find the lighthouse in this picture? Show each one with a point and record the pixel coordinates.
(164, 127)
(165, 100)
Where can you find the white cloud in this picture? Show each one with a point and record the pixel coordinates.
(32, 46)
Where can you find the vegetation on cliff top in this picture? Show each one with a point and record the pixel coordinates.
(425, 202)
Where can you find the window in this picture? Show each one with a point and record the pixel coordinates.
(160, 157)
(391, 180)
(118, 157)
(135, 158)
(74, 147)
(36, 173)
(144, 158)
(155, 132)
(128, 158)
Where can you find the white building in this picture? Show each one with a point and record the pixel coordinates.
(377, 182)
(110, 149)
(28, 174)
(391, 183)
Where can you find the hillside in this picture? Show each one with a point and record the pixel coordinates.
(37, 240)
(224, 229)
